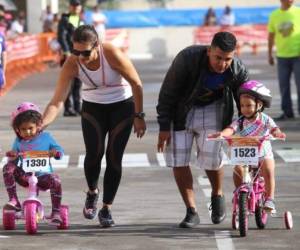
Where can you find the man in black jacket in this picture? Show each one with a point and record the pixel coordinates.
(67, 24)
(196, 98)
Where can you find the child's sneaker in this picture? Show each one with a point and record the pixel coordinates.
(55, 218)
(269, 205)
(13, 205)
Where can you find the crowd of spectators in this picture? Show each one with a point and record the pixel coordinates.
(227, 18)
(12, 24)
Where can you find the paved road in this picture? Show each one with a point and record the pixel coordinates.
(148, 207)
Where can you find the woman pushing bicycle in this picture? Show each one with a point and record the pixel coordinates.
(112, 96)
(253, 98)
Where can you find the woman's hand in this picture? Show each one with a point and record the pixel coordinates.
(139, 127)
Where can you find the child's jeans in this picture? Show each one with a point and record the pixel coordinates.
(13, 174)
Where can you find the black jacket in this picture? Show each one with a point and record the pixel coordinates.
(65, 31)
(183, 82)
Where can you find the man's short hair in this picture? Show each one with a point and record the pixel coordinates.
(75, 2)
(224, 40)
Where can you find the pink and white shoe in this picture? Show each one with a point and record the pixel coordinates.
(55, 218)
(13, 205)
(269, 205)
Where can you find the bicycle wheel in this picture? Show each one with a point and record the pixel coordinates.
(261, 216)
(64, 214)
(9, 219)
(243, 214)
(31, 217)
(288, 220)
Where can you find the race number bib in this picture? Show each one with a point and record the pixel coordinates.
(247, 155)
(36, 164)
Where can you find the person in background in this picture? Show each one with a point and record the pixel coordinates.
(210, 18)
(2, 61)
(284, 33)
(47, 19)
(99, 21)
(228, 17)
(17, 27)
(67, 24)
(3, 23)
(196, 98)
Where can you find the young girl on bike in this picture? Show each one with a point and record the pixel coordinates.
(253, 98)
(26, 122)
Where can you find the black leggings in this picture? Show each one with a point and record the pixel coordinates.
(97, 120)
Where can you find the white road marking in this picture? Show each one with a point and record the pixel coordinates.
(143, 56)
(207, 192)
(129, 160)
(63, 163)
(161, 159)
(289, 155)
(3, 162)
(224, 240)
(4, 237)
(203, 181)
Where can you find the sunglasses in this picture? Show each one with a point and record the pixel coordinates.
(84, 53)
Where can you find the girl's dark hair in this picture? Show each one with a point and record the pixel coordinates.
(27, 116)
(85, 34)
(224, 40)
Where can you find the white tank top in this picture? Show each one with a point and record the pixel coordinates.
(103, 85)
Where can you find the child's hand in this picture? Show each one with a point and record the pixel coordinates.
(215, 135)
(53, 153)
(12, 154)
(279, 134)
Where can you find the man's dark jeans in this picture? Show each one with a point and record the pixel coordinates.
(285, 67)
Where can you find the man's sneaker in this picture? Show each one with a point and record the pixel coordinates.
(13, 205)
(191, 219)
(55, 218)
(217, 208)
(269, 205)
(90, 207)
(105, 217)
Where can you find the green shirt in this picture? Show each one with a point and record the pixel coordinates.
(74, 20)
(285, 24)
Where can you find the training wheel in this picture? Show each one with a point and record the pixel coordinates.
(288, 220)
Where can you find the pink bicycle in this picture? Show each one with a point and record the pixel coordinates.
(32, 208)
(248, 198)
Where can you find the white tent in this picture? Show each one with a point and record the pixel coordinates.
(8, 4)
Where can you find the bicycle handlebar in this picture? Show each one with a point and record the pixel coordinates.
(32, 154)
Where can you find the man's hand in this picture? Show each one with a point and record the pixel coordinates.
(164, 138)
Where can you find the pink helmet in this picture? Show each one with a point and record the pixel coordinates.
(257, 90)
(24, 106)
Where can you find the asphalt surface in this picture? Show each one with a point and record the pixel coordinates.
(148, 207)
